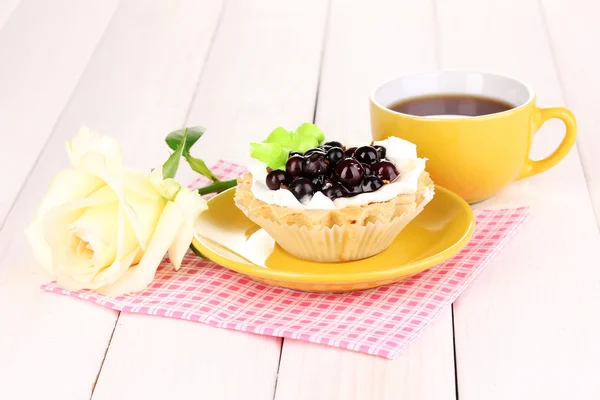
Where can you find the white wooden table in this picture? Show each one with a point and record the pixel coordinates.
(527, 328)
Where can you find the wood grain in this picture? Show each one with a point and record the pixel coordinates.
(160, 358)
(262, 70)
(424, 371)
(53, 346)
(44, 47)
(574, 34)
(387, 39)
(7, 7)
(524, 329)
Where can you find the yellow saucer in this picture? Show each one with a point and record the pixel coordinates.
(227, 237)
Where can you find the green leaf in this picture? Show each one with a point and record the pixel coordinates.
(175, 138)
(271, 154)
(200, 167)
(311, 130)
(281, 136)
(275, 148)
(302, 143)
(170, 167)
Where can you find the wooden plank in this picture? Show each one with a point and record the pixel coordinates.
(525, 328)
(574, 33)
(138, 86)
(424, 371)
(369, 42)
(158, 358)
(269, 79)
(262, 70)
(44, 48)
(7, 7)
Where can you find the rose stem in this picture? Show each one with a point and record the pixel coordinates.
(217, 187)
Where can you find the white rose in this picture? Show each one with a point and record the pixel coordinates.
(106, 228)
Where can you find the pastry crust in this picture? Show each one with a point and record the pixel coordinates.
(361, 215)
(345, 234)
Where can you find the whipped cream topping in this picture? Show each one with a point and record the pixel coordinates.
(402, 153)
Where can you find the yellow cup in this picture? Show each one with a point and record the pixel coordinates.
(473, 156)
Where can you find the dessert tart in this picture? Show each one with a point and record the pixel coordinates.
(326, 201)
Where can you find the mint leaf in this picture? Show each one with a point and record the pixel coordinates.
(280, 136)
(302, 143)
(200, 167)
(170, 167)
(271, 154)
(175, 138)
(311, 130)
(274, 150)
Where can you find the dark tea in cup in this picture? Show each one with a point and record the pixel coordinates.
(451, 104)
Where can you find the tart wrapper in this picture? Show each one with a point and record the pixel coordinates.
(346, 234)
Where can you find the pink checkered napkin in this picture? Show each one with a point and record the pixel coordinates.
(380, 321)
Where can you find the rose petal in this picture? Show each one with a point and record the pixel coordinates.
(140, 184)
(124, 256)
(87, 141)
(111, 173)
(99, 226)
(191, 205)
(145, 202)
(168, 188)
(124, 252)
(101, 156)
(67, 185)
(138, 277)
(73, 256)
(56, 228)
(70, 282)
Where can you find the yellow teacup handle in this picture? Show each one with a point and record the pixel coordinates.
(532, 167)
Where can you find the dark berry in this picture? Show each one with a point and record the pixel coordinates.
(350, 151)
(335, 155)
(315, 164)
(333, 144)
(319, 181)
(371, 184)
(349, 172)
(294, 153)
(302, 189)
(385, 170)
(335, 191)
(353, 190)
(381, 151)
(275, 179)
(293, 166)
(310, 151)
(325, 147)
(368, 169)
(366, 155)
